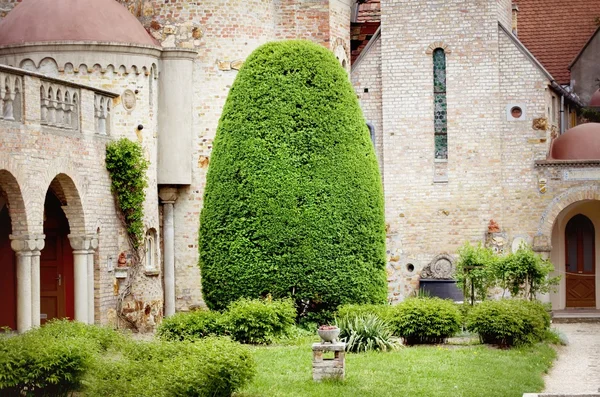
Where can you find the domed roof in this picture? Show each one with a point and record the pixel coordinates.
(595, 101)
(34, 21)
(578, 143)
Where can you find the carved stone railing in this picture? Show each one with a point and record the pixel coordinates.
(59, 105)
(11, 96)
(33, 98)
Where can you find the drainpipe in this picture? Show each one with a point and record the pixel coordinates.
(562, 114)
(371, 131)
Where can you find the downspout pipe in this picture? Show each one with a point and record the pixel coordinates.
(562, 114)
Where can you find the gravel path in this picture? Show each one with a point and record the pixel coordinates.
(577, 369)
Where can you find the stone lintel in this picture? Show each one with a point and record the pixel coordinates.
(329, 347)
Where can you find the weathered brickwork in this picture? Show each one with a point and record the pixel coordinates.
(366, 79)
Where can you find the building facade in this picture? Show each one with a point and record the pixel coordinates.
(466, 124)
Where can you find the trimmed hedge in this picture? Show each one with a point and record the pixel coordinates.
(52, 360)
(259, 321)
(293, 205)
(63, 357)
(384, 312)
(509, 322)
(207, 367)
(190, 326)
(426, 320)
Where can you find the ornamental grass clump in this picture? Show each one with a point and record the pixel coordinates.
(293, 205)
(426, 320)
(364, 333)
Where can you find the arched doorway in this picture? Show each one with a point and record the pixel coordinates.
(580, 262)
(8, 269)
(56, 263)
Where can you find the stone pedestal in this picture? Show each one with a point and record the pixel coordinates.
(329, 368)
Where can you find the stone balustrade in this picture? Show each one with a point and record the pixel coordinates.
(33, 98)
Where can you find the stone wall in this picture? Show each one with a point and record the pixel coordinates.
(366, 79)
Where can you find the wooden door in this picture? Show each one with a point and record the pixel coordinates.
(580, 262)
(8, 274)
(52, 281)
(56, 264)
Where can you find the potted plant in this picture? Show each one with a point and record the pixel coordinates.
(328, 333)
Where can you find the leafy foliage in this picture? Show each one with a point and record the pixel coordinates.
(259, 321)
(509, 322)
(293, 204)
(365, 332)
(426, 320)
(591, 115)
(475, 271)
(524, 273)
(52, 360)
(384, 312)
(207, 367)
(127, 167)
(190, 326)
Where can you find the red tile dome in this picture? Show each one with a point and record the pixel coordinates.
(595, 101)
(578, 143)
(34, 21)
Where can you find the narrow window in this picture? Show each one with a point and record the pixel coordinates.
(440, 109)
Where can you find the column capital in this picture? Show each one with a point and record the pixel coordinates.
(168, 195)
(27, 243)
(83, 242)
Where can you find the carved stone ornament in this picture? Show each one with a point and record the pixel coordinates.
(129, 100)
(440, 268)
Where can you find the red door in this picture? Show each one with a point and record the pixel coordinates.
(56, 265)
(580, 262)
(8, 274)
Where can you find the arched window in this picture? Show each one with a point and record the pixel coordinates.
(439, 98)
(150, 248)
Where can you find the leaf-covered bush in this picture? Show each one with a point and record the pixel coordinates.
(52, 360)
(509, 322)
(293, 205)
(259, 321)
(426, 320)
(207, 367)
(476, 271)
(384, 312)
(193, 325)
(525, 273)
(365, 332)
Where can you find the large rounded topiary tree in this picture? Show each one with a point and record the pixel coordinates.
(293, 203)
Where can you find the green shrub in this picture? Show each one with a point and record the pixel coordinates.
(207, 367)
(193, 325)
(259, 321)
(509, 322)
(365, 332)
(475, 271)
(426, 320)
(384, 312)
(525, 273)
(293, 204)
(51, 361)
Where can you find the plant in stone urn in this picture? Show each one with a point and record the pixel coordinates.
(328, 333)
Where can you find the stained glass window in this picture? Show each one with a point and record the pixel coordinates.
(440, 122)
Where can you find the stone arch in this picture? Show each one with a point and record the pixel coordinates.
(66, 191)
(438, 44)
(11, 193)
(559, 203)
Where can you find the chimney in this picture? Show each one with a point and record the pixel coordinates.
(515, 17)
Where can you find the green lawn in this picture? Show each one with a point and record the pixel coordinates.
(417, 371)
